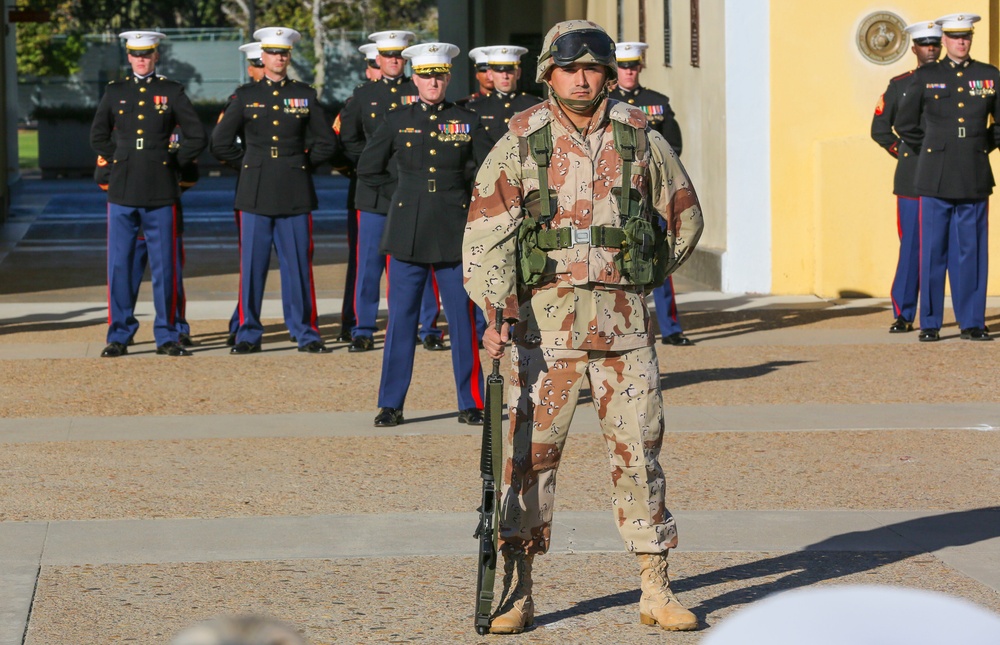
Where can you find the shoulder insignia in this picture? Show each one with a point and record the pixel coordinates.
(628, 114)
(531, 120)
(903, 75)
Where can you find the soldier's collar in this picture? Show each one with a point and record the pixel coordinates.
(399, 80)
(504, 95)
(271, 82)
(953, 63)
(144, 79)
(437, 107)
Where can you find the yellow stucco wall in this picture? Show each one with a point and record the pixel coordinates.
(833, 212)
(697, 95)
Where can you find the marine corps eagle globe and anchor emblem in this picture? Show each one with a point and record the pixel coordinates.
(882, 38)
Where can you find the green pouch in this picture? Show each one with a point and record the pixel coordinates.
(531, 260)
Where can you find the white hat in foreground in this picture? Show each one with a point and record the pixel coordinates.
(858, 615)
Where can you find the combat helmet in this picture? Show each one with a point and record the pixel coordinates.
(573, 41)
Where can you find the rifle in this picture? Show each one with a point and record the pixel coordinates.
(489, 467)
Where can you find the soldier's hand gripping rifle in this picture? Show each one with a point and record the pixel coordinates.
(489, 466)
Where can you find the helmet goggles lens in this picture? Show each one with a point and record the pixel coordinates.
(571, 46)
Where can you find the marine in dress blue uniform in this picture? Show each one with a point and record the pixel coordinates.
(437, 146)
(347, 318)
(132, 127)
(662, 119)
(496, 108)
(188, 177)
(947, 119)
(906, 283)
(275, 194)
(255, 70)
(358, 120)
(483, 79)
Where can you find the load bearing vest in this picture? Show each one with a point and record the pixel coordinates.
(644, 250)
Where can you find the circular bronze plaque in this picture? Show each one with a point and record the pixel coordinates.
(881, 38)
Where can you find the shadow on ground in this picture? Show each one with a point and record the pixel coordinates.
(833, 558)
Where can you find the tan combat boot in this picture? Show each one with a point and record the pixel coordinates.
(658, 605)
(515, 610)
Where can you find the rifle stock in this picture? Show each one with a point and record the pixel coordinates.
(490, 461)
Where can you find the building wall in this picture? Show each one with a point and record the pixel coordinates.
(833, 212)
(697, 96)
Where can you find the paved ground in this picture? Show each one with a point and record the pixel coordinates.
(806, 446)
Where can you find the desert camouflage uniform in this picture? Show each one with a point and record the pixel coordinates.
(584, 319)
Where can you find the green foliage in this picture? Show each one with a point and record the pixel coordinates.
(27, 148)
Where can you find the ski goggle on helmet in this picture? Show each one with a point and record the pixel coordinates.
(583, 42)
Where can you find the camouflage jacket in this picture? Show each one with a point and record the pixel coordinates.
(585, 304)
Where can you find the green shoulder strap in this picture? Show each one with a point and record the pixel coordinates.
(540, 147)
(625, 146)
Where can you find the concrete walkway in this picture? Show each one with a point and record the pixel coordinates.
(408, 575)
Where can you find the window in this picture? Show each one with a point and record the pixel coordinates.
(695, 36)
(666, 33)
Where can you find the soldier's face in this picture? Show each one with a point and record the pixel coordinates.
(926, 53)
(431, 87)
(578, 81)
(958, 45)
(276, 63)
(391, 66)
(255, 73)
(144, 63)
(485, 82)
(628, 77)
(505, 81)
(373, 73)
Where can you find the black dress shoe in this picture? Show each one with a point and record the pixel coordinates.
(929, 335)
(388, 417)
(230, 340)
(678, 339)
(345, 336)
(185, 340)
(245, 347)
(471, 416)
(315, 347)
(172, 348)
(434, 343)
(114, 350)
(901, 326)
(976, 333)
(362, 344)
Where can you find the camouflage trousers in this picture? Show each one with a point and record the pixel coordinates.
(542, 397)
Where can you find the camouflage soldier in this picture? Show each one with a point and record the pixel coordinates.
(554, 239)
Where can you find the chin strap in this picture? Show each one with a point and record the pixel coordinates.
(578, 106)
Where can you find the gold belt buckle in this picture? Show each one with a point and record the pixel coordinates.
(138, 144)
(961, 133)
(274, 152)
(431, 186)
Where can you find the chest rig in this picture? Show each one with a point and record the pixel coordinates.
(643, 246)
